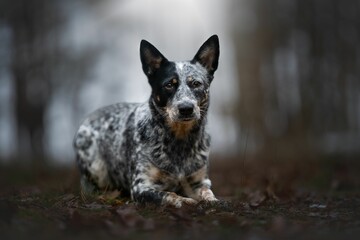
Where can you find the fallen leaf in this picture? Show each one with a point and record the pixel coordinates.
(256, 198)
(111, 195)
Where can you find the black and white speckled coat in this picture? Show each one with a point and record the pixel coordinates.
(158, 150)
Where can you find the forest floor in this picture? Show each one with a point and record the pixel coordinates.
(259, 200)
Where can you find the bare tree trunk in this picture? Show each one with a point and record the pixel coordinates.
(31, 78)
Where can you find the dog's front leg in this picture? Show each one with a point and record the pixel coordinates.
(206, 194)
(148, 195)
(198, 186)
(203, 192)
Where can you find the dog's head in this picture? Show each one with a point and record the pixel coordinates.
(180, 90)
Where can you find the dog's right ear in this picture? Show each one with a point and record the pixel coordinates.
(151, 58)
(208, 54)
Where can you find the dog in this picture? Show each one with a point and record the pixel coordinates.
(156, 151)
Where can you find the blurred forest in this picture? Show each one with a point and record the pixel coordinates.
(35, 68)
(293, 68)
(299, 76)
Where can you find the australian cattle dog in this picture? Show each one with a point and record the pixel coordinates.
(156, 151)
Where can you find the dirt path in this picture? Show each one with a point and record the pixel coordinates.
(42, 205)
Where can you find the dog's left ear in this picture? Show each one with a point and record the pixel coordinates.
(151, 58)
(208, 54)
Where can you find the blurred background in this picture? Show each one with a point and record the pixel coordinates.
(287, 86)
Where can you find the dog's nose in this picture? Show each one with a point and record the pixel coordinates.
(186, 109)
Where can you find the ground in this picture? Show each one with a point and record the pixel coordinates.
(313, 199)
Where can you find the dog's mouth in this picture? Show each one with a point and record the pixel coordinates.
(186, 118)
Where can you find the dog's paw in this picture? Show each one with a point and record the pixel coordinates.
(189, 201)
(177, 201)
(207, 195)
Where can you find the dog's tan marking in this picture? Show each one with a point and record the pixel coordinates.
(198, 175)
(203, 192)
(156, 175)
(181, 129)
(177, 201)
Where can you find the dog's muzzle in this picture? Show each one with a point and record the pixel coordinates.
(186, 111)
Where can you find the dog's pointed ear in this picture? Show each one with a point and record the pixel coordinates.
(151, 58)
(208, 54)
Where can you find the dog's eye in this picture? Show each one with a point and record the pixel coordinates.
(169, 86)
(196, 84)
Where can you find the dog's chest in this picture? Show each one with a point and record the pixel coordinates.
(176, 182)
(179, 159)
